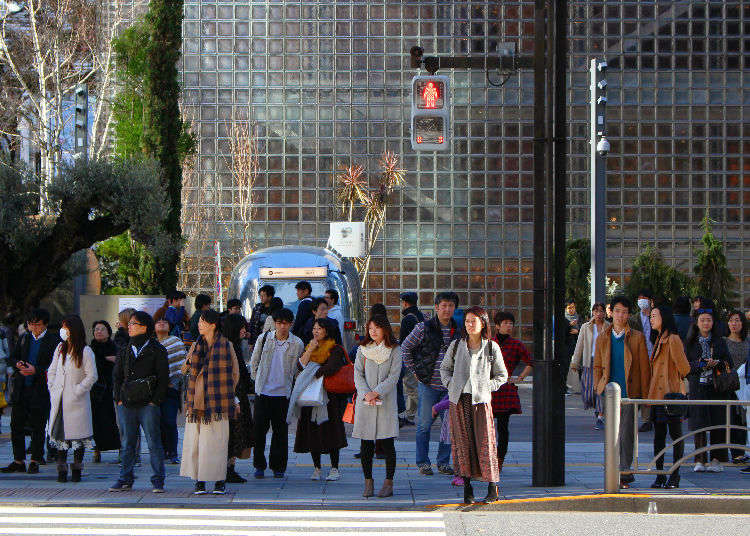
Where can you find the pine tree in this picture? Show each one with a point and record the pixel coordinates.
(713, 278)
(651, 272)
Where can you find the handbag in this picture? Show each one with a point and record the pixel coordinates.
(314, 394)
(348, 416)
(342, 382)
(3, 401)
(725, 379)
(675, 411)
(138, 392)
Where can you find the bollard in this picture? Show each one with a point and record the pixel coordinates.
(612, 438)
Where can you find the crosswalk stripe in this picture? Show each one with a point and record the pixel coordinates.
(87, 531)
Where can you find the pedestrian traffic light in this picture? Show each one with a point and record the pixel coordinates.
(430, 113)
(81, 130)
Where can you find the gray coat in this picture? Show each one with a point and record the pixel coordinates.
(487, 374)
(260, 362)
(376, 422)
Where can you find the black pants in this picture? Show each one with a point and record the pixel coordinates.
(502, 420)
(334, 454)
(367, 450)
(660, 435)
(62, 460)
(23, 414)
(271, 411)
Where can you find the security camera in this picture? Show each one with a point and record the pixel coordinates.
(602, 66)
(603, 146)
(602, 85)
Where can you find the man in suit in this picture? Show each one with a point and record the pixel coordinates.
(304, 309)
(30, 360)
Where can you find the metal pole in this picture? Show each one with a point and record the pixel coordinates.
(598, 186)
(612, 396)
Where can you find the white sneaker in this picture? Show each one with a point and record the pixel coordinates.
(715, 466)
(699, 467)
(334, 474)
(315, 475)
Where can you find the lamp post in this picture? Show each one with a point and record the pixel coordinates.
(599, 147)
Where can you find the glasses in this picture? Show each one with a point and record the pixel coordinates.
(131, 323)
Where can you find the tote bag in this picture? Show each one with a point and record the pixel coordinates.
(314, 394)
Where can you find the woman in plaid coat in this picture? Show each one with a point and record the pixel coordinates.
(505, 401)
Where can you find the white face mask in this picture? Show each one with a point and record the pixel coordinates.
(64, 334)
(643, 303)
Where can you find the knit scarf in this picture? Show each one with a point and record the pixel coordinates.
(378, 353)
(321, 353)
(705, 343)
(218, 387)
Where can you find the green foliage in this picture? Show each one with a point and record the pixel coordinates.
(651, 272)
(127, 266)
(713, 278)
(92, 201)
(578, 274)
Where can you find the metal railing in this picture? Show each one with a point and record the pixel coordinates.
(612, 404)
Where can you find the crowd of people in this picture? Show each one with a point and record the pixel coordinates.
(235, 379)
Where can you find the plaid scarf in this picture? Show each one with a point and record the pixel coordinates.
(218, 387)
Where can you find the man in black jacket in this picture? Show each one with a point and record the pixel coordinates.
(30, 360)
(304, 309)
(142, 358)
(410, 317)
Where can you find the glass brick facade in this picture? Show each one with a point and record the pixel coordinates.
(328, 83)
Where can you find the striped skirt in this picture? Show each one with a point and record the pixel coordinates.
(588, 395)
(473, 440)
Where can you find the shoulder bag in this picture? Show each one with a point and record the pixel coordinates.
(725, 379)
(342, 382)
(138, 392)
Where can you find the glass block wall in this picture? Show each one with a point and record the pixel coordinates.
(328, 84)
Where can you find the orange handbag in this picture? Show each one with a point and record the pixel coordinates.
(341, 383)
(349, 411)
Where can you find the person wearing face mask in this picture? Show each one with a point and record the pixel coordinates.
(70, 378)
(641, 322)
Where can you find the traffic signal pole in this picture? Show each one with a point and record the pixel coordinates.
(550, 203)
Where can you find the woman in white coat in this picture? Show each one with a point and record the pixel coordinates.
(70, 378)
(376, 372)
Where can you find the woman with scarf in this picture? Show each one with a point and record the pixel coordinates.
(327, 437)
(706, 350)
(472, 369)
(241, 427)
(376, 371)
(214, 373)
(106, 433)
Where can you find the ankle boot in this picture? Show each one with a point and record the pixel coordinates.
(233, 477)
(387, 489)
(468, 492)
(369, 488)
(75, 475)
(62, 476)
(492, 494)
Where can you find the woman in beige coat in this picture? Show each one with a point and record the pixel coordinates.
(376, 372)
(70, 377)
(669, 366)
(583, 361)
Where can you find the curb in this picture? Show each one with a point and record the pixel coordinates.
(629, 503)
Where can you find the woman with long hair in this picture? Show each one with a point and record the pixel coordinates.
(328, 436)
(583, 361)
(106, 432)
(70, 377)
(669, 366)
(472, 369)
(209, 406)
(376, 371)
(241, 427)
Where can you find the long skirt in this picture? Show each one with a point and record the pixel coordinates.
(473, 440)
(588, 393)
(204, 450)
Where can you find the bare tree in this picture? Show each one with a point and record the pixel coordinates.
(243, 161)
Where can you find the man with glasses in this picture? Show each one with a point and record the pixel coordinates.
(30, 360)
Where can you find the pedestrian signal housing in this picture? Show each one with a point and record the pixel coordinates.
(430, 113)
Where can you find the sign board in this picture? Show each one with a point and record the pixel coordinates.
(348, 238)
(313, 272)
(141, 303)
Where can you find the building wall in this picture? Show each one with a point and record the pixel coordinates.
(328, 84)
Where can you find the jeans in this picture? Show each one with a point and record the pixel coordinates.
(131, 421)
(271, 411)
(428, 397)
(169, 409)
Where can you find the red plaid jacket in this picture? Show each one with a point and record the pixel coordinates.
(505, 399)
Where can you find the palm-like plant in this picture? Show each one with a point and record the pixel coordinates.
(352, 189)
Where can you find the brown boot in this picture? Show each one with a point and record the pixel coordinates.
(369, 487)
(387, 489)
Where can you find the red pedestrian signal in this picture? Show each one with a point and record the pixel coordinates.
(430, 113)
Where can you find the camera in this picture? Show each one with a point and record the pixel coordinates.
(603, 146)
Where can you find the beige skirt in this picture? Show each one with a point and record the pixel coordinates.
(204, 451)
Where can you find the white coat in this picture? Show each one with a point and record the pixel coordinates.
(70, 385)
(376, 422)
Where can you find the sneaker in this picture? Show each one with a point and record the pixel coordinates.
(316, 474)
(699, 468)
(742, 458)
(278, 474)
(220, 488)
(646, 427)
(33, 468)
(445, 470)
(174, 460)
(334, 474)
(745, 470)
(259, 473)
(121, 486)
(200, 488)
(598, 423)
(158, 488)
(425, 469)
(14, 467)
(233, 477)
(715, 466)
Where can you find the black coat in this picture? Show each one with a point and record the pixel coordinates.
(411, 317)
(40, 393)
(151, 362)
(700, 416)
(106, 434)
(304, 313)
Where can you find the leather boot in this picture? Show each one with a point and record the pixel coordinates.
(75, 475)
(369, 488)
(62, 476)
(387, 489)
(468, 492)
(492, 494)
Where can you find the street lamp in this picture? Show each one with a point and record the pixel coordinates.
(600, 147)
